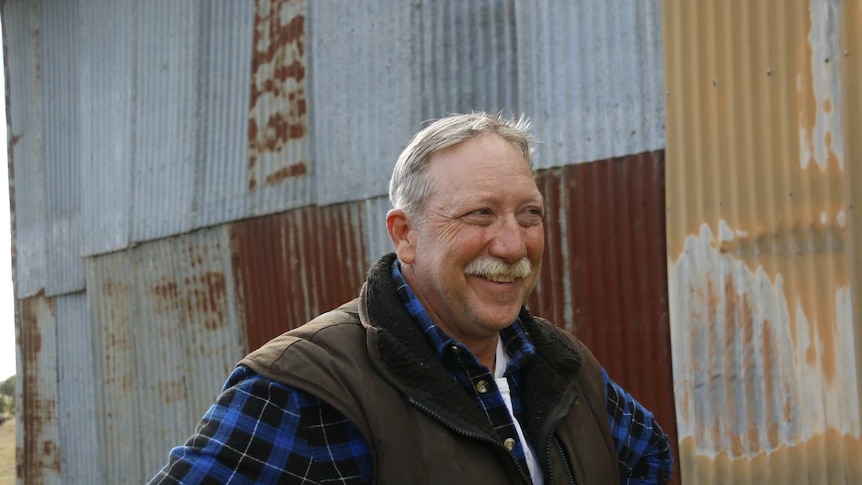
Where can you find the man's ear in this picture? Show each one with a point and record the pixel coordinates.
(403, 235)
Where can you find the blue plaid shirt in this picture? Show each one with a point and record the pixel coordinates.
(262, 431)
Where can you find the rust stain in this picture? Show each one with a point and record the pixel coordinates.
(15, 138)
(278, 104)
(172, 391)
(295, 170)
(207, 298)
(165, 296)
(38, 411)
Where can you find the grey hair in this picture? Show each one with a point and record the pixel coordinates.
(409, 189)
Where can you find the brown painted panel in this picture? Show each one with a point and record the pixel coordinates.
(604, 275)
(291, 267)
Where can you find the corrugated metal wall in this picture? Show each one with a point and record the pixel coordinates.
(193, 178)
(763, 238)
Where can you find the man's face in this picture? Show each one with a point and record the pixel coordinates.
(484, 204)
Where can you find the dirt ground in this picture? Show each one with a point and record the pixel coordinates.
(7, 452)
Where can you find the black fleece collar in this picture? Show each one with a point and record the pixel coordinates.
(412, 366)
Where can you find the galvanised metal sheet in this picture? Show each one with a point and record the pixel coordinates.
(112, 307)
(222, 170)
(80, 449)
(292, 267)
(761, 228)
(279, 163)
(166, 48)
(60, 50)
(590, 73)
(105, 69)
(468, 56)
(39, 461)
(23, 79)
(169, 333)
(377, 242)
(604, 272)
(365, 93)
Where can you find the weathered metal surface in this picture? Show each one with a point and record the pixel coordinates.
(222, 172)
(39, 459)
(377, 242)
(762, 275)
(590, 73)
(278, 158)
(24, 122)
(468, 56)
(62, 190)
(105, 68)
(850, 40)
(365, 94)
(294, 266)
(604, 272)
(168, 334)
(165, 48)
(80, 448)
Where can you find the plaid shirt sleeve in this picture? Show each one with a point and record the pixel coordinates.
(643, 451)
(261, 431)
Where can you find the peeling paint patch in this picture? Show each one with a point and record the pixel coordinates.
(753, 373)
(818, 81)
(277, 127)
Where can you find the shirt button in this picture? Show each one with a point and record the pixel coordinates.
(509, 444)
(482, 387)
(455, 350)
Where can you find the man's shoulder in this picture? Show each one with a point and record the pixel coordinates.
(336, 328)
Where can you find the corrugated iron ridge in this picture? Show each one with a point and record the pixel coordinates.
(26, 146)
(62, 190)
(592, 78)
(759, 248)
(468, 57)
(291, 267)
(604, 273)
(164, 117)
(851, 112)
(80, 447)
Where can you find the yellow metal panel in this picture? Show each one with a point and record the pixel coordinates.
(763, 125)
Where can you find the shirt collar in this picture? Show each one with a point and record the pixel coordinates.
(515, 339)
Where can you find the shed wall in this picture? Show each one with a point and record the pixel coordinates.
(762, 266)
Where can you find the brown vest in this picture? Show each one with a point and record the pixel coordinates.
(369, 361)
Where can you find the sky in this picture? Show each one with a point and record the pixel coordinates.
(7, 309)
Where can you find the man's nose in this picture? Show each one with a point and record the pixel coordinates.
(508, 243)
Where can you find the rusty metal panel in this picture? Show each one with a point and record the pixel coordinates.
(762, 275)
(21, 22)
(468, 55)
(590, 73)
(850, 39)
(222, 181)
(62, 134)
(166, 48)
(604, 272)
(111, 301)
(105, 67)
(279, 166)
(294, 266)
(168, 333)
(79, 440)
(377, 240)
(39, 459)
(365, 89)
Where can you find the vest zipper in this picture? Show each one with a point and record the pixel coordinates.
(476, 436)
(565, 456)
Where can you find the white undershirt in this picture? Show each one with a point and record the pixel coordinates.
(502, 362)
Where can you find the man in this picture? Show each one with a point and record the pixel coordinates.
(436, 374)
